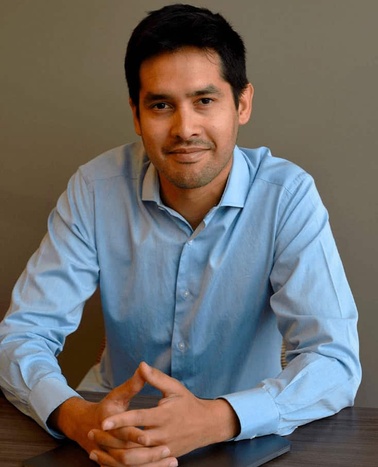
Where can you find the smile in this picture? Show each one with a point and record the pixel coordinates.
(187, 155)
(187, 150)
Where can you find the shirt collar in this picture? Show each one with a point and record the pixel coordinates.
(234, 194)
(238, 182)
(151, 186)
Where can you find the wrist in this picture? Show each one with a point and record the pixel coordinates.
(70, 418)
(225, 420)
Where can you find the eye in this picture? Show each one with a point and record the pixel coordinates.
(160, 106)
(206, 100)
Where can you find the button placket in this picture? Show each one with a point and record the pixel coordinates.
(183, 305)
(181, 346)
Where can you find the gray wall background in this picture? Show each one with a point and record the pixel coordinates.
(63, 100)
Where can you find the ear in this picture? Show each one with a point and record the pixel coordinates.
(135, 117)
(245, 104)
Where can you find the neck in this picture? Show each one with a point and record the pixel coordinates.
(193, 204)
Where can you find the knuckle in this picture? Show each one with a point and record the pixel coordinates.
(139, 417)
(160, 454)
(125, 457)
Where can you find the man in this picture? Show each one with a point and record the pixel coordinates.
(206, 255)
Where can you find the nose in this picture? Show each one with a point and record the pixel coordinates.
(185, 124)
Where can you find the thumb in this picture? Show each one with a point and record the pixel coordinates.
(167, 385)
(123, 393)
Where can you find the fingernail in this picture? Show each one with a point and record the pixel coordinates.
(142, 440)
(91, 435)
(166, 452)
(107, 425)
(174, 463)
(93, 457)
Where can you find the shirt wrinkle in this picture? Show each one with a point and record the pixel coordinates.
(203, 301)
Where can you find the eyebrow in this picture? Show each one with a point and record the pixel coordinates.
(208, 90)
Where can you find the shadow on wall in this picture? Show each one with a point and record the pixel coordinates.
(82, 347)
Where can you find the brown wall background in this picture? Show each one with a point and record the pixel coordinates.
(63, 100)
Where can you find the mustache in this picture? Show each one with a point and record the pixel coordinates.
(188, 145)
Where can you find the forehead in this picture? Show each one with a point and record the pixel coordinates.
(188, 67)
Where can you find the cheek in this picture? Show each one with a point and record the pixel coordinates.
(225, 121)
(225, 131)
(154, 130)
(136, 121)
(153, 138)
(153, 141)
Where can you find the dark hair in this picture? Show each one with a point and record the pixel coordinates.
(176, 26)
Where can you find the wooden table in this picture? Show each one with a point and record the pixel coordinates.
(348, 439)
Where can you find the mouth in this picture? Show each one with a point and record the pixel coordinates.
(189, 150)
(187, 155)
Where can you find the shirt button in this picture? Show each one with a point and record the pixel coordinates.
(186, 293)
(189, 242)
(181, 346)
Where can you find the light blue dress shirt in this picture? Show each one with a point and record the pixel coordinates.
(208, 307)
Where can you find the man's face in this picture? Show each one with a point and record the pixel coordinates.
(187, 118)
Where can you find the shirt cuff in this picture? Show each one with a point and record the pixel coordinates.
(257, 412)
(45, 397)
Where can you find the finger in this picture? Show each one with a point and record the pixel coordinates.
(167, 385)
(130, 388)
(132, 418)
(106, 441)
(118, 439)
(158, 456)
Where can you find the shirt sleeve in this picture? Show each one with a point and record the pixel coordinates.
(317, 317)
(47, 304)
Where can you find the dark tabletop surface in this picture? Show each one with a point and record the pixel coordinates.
(349, 438)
